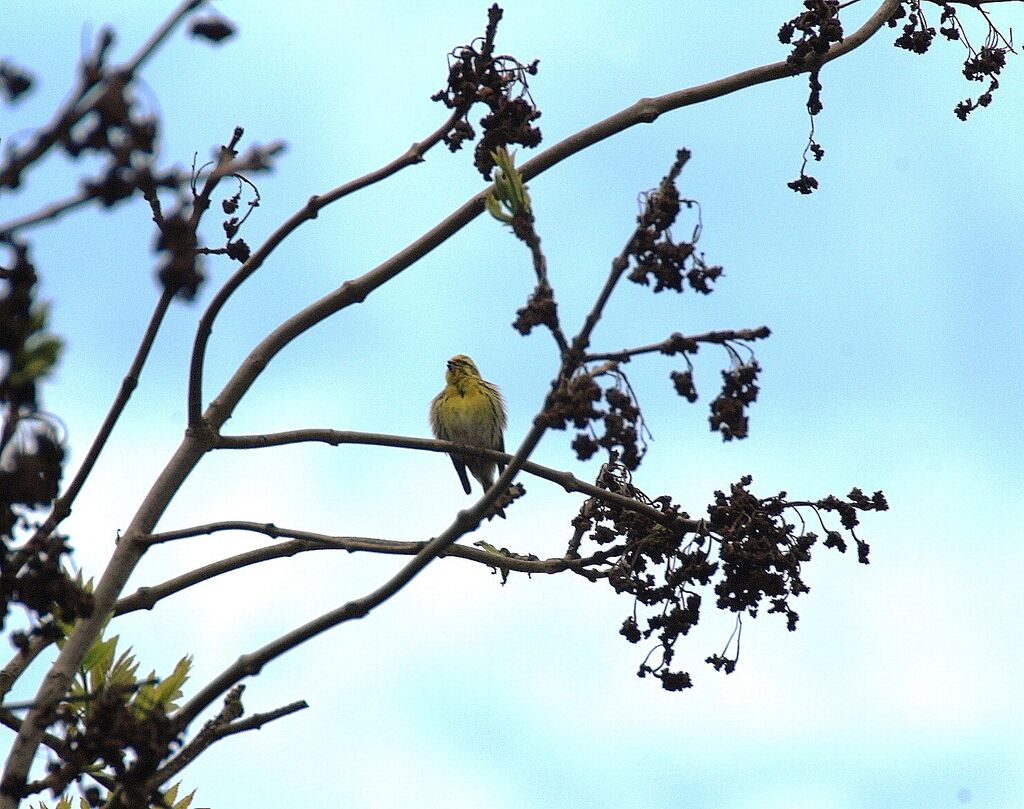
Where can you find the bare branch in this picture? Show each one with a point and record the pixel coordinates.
(673, 343)
(146, 598)
(412, 155)
(62, 507)
(218, 728)
(566, 480)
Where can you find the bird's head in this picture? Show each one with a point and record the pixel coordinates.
(460, 367)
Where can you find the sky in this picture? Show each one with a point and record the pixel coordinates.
(894, 295)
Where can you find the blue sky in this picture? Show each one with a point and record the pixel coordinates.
(894, 294)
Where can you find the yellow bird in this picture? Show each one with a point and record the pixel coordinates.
(470, 411)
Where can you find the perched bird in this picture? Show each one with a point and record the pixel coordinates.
(470, 411)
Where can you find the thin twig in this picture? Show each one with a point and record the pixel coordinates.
(540, 267)
(720, 337)
(215, 731)
(21, 660)
(255, 159)
(48, 212)
(87, 697)
(225, 158)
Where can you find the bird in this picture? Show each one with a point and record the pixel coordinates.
(470, 410)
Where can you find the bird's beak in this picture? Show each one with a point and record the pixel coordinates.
(450, 364)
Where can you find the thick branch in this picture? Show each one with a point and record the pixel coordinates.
(126, 556)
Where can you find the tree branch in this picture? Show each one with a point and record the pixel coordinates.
(62, 507)
(215, 730)
(198, 441)
(671, 345)
(414, 154)
(20, 661)
(146, 598)
(566, 480)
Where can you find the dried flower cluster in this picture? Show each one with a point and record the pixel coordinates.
(816, 29)
(621, 422)
(475, 74)
(819, 28)
(540, 310)
(746, 552)
(652, 250)
(980, 64)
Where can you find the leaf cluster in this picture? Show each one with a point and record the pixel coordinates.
(118, 726)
